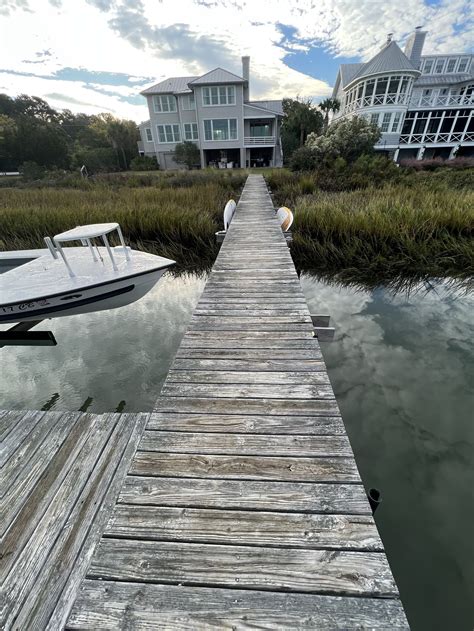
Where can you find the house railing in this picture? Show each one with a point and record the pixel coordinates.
(426, 138)
(440, 101)
(377, 99)
(259, 140)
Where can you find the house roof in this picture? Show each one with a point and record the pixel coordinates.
(173, 85)
(276, 107)
(218, 75)
(348, 71)
(390, 58)
(443, 79)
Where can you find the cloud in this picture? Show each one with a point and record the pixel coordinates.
(175, 41)
(108, 42)
(8, 6)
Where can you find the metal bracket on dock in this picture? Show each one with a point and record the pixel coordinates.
(322, 330)
(220, 236)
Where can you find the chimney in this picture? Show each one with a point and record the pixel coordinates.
(246, 76)
(414, 46)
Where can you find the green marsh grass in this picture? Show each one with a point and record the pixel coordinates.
(387, 234)
(178, 221)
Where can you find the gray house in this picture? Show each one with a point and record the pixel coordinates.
(215, 112)
(424, 105)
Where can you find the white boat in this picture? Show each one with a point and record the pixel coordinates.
(73, 280)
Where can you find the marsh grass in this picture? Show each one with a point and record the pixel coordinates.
(386, 235)
(178, 221)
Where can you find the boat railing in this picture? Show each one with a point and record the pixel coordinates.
(85, 234)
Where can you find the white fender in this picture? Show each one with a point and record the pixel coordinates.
(285, 217)
(229, 211)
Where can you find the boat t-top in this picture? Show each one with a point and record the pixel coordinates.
(71, 280)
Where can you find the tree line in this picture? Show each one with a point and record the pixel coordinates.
(31, 131)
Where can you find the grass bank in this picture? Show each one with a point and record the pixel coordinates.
(419, 226)
(173, 215)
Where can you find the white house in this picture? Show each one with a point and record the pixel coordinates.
(215, 112)
(423, 104)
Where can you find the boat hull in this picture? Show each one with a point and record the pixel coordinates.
(110, 295)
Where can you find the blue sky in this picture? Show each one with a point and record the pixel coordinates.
(96, 55)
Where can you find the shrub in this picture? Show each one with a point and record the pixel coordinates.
(437, 163)
(32, 171)
(98, 160)
(144, 163)
(348, 139)
(304, 159)
(187, 153)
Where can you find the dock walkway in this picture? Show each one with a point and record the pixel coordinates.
(243, 506)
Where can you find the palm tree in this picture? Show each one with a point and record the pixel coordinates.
(329, 105)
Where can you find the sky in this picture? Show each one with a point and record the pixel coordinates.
(97, 55)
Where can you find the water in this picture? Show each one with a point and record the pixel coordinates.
(402, 369)
(403, 372)
(104, 360)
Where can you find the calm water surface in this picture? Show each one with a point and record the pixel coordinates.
(403, 372)
(402, 368)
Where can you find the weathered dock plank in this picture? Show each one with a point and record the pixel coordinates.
(244, 485)
(251, 567)
(59, 487)
(105, 605)
(288, 530)
(331, 498)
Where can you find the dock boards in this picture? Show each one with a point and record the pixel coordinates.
(243, 506)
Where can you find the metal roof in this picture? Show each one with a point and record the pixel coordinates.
(218, 75)
(390, 59)
(173, 85)
(276, 107)
(348, 71)
(443, 79)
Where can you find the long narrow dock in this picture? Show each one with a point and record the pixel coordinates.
(243, 506)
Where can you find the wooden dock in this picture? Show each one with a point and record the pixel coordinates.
(60, 474)
(242, 507)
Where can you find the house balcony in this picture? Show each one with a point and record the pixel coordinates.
(448, 100)
(454, 137)
(374, 100)
(259, 141)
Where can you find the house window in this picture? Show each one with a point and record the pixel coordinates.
(374, 119)
(381, 87)
(369, 87)
(218, 95)
(220, 129)
(191, 131)
(164, 103)
(148, 135)
(396, 122)
(439, 66)
(168, 133)
(386, 122)
(188, 102)
(451, 65)
(463, 64)
(259, 130)
(393, 85)
(428, 66)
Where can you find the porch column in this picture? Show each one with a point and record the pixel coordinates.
(395, 154)
(243, 155)
(203, 163)
(453, 152)
(421, 153)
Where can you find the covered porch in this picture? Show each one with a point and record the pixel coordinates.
(222, 158)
